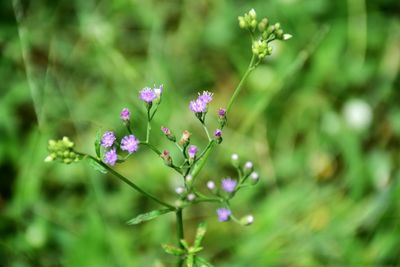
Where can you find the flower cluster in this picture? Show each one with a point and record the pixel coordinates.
(129, 144)
(266, 33)
(229, 187)
(111, 149)
(200, 104)
(150, 95)
(62, 150)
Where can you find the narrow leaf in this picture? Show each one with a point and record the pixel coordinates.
(185, 244)
(148, 216)
(97, 143)
(201, 231)
(95, 165)
(201, 262)
(173, 250)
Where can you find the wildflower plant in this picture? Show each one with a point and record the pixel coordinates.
(111, 150)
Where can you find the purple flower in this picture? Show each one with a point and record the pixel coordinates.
(205, 97)
(108, 139)
(165, 130)
(129, 143)
(192, 151)
(111, 157)
(228, 184)
(198, 106)
(218, 133)
(223, 214)
(221, 112)
(125, 114)
(147, 95)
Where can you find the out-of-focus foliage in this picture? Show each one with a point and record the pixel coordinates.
(321, 119)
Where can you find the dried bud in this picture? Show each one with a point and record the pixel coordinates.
(166, 157)
(185, 139)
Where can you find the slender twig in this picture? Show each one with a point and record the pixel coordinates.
(207, 133)
(179, 233)
(130, 183)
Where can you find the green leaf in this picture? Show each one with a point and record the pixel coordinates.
(95, 165)
(185, 244)
(148, 216)
(201, 231)
(97, 143)
(201, 262)
(173, 250)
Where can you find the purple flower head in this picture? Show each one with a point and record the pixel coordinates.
(147, 95)
(218, 133)
(198, 106)
(228, 184)
(158, 91)
(130, 143)
(111, 157)
(192, 151)
(221, 112)
(165, 130)
(125, 114)
(223, 214)
(108, 139)
(205, 97)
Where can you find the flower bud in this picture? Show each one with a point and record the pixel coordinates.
(254, 177)
(248, 168)
(235, 160)
(263, 24)
(211, 185)
(189, 179)
(287, 36)
(180, 190)
(185, 139)
(218, 136)
(191, 197)
(247, 220)
(166, 157)
(252, 14)
(168, 134)
(125, 115)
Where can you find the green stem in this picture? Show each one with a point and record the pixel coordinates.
(148, 131)
(130, 183)
(206, 130)
(240, 85)
(179, 233)
(158, 152)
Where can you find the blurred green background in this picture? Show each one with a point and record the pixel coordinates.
(320, 119)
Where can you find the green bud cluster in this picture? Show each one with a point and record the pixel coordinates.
(62, 150)
(263, 33)
(248, 20)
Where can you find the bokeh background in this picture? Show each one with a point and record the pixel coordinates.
(320, 120)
